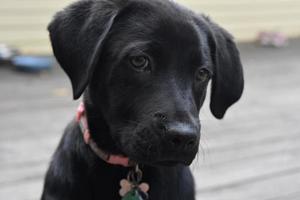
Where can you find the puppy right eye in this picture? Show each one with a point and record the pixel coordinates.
(140, 63)
(202, 75)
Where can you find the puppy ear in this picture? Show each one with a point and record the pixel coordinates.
(228, 79)
(77, 35)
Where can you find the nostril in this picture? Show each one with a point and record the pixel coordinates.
(183, 142)
(191, 143)
(160, 116)
(176, 141)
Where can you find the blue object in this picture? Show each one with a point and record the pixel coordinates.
(33, 63)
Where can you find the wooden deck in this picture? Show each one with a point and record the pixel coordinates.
(253, 154)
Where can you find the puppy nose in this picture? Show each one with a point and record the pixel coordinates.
(178, 138)
(177, 135)
(181, 136)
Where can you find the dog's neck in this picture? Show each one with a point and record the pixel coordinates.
(81, 119)
(99, 129)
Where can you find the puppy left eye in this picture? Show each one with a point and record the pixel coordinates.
(140, 63)
(202, 75)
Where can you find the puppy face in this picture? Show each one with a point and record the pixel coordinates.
(156, 78)
(146, 65)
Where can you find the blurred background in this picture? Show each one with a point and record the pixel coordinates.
(254, 153)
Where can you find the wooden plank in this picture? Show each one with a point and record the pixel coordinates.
(18, 11)
(275, 12)
(236, 173)
(29, 190)
(271, 188)
(234, 5)
(264, 148)
(19, 175)
(290, 196)
(17, 23)
(29, 4)
(221, 2)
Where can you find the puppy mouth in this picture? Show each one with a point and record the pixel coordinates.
(163, 162)
(159, 158)
(153, 151)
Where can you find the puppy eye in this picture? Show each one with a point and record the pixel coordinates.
(202, 75)
(140, 63)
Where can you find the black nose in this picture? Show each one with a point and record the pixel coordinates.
(181, 136)
(178, 136)
(169, 139)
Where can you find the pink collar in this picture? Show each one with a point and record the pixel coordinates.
(109, 158)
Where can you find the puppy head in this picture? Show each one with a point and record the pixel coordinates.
(145, 66)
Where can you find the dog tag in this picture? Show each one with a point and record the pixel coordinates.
(143, 195)
(133, 195)
(131, 188)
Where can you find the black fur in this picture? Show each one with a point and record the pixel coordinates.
(151, 116)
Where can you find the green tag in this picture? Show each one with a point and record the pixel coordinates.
(132, 195)
(132, 188)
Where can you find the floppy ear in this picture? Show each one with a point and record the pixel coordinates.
(228, 79)
(77, 35)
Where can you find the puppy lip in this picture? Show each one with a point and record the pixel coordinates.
(166, 163)
(185, 160)
(157, 160)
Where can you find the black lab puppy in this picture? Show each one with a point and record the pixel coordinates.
(143, 66)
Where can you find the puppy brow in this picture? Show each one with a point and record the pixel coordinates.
(135, 48)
